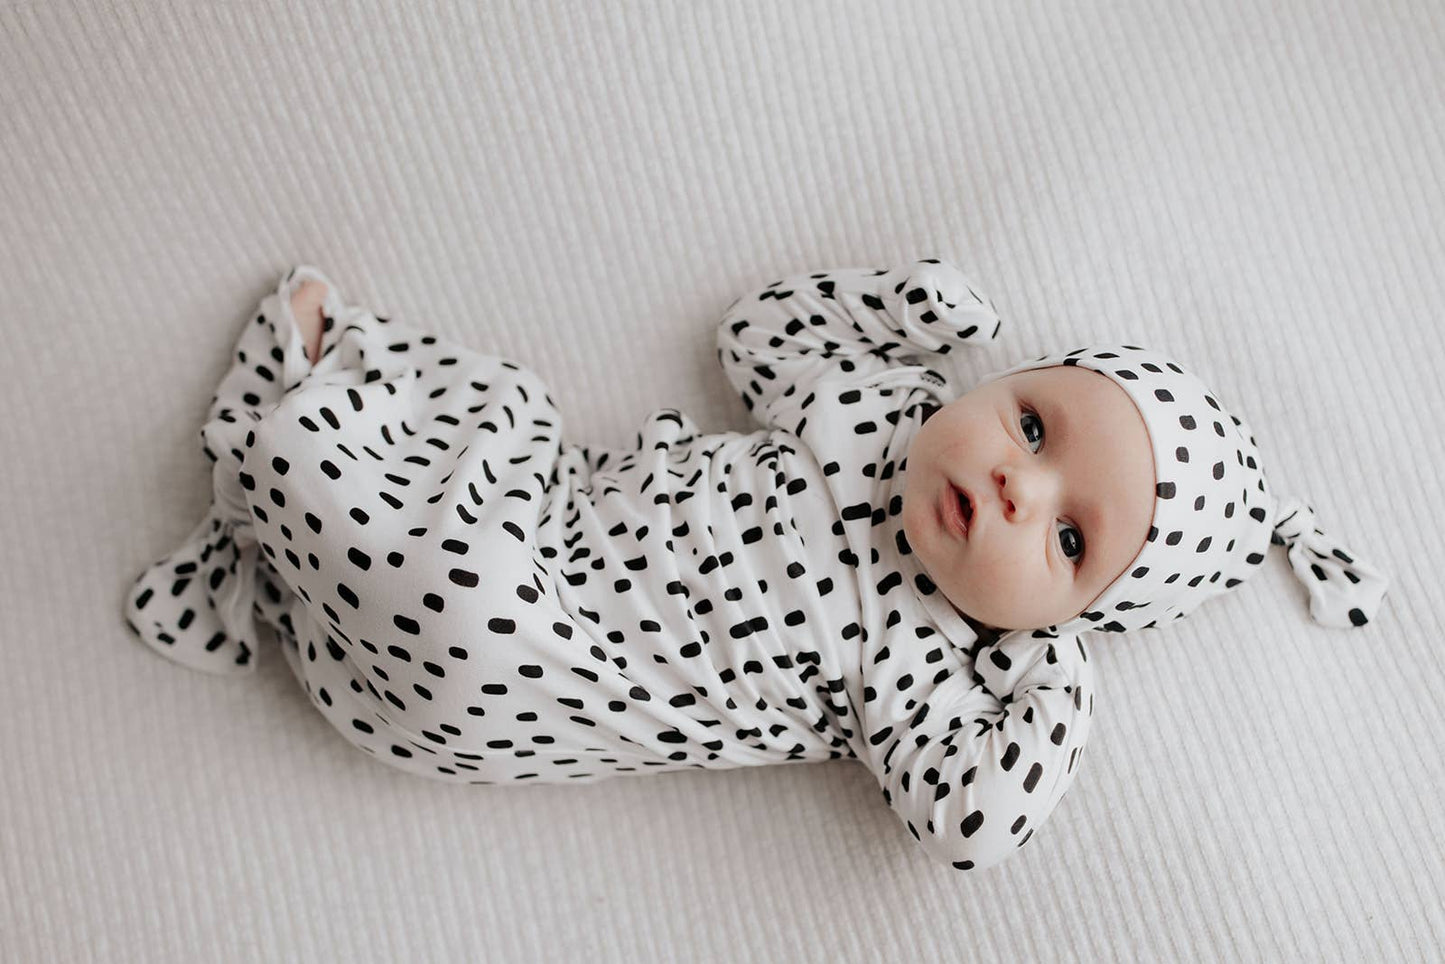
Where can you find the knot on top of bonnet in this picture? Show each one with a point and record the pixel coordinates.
(1344, 590)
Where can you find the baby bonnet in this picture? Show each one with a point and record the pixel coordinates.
(1215, 513)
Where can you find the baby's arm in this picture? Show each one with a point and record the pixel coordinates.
(974, 774)
(777, 342)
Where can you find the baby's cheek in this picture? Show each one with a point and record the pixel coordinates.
(1003, 596)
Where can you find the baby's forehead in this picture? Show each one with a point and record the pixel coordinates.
(1061, 379)
(1087, 401)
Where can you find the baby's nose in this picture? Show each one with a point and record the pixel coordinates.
(1001, 478)
(1018, 488)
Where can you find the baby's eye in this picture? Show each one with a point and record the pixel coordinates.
(1071, 545)
(1024, 422)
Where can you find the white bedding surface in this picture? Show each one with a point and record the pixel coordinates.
(585, 188)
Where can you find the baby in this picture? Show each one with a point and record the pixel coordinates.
(886, 570)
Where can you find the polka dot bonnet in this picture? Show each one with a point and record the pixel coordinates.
(1215, 515)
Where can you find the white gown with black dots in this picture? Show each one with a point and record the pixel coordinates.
(467, 597)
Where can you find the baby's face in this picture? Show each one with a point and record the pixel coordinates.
(1059, 475)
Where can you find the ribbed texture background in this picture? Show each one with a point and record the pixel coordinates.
(584, 188)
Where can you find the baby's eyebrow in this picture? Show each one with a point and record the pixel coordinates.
(1057, 417)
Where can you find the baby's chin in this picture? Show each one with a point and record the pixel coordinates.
(984, 622)
(977, 623)
(979, 626)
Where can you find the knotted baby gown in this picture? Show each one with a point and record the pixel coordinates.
(468, 597)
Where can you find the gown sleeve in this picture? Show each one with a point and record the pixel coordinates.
(981, 765)
(775, 344)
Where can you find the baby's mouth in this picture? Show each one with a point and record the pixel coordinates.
(965, 507)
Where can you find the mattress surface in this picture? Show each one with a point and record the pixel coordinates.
(585, 188)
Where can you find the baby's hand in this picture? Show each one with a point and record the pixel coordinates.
(306, 302)
(949, 287)
(934, 291)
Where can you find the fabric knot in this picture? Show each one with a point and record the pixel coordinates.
(212, 576)
(206, 604)
(1295, 518)
(1344, 589)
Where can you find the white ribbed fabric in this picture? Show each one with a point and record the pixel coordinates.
(1254, 189)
